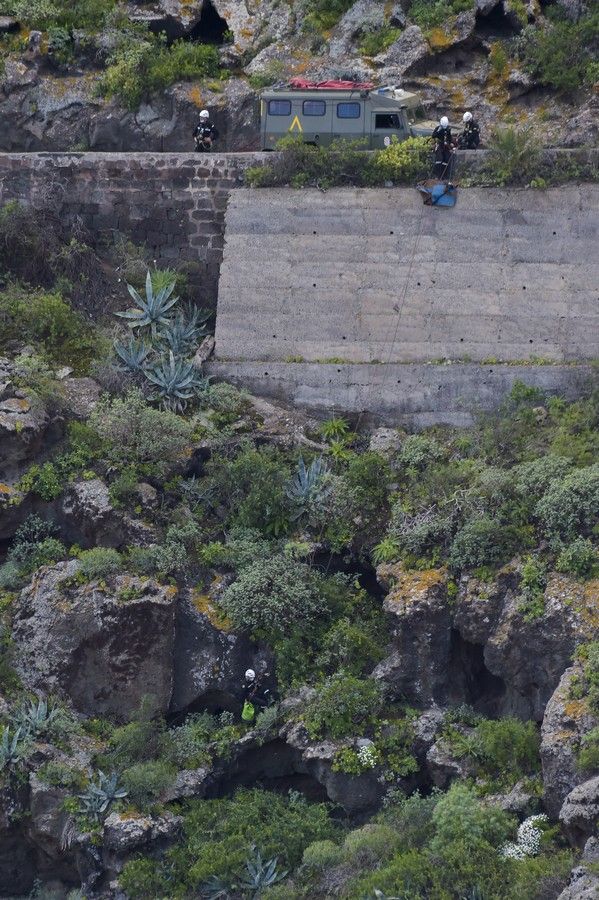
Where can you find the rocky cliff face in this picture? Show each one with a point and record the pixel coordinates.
(50, 101)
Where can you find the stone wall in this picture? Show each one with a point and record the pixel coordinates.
(175, 204)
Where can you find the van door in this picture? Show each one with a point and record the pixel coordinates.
(348, 119)
(384, 126)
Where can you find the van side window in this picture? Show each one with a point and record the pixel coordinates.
(387, 120)
(348, 110)
(279, 107)
(314, 107)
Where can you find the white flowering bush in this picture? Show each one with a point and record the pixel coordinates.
(368, 756)
(528, 841)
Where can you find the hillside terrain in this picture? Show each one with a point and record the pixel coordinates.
(421, 611)
(108, 75)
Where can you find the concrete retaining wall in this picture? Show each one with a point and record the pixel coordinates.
(412, 395)
(339, 300)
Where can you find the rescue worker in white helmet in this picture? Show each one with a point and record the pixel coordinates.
(470, 136)
(205, 133)
(255, 690)
(443, 147)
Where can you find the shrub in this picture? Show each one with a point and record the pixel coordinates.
(136, 434)
(402, 162)
(142, 878)
(141, 740)
(326, 13)
(139, 68)
(218, 834)
(532, 589)
(412, 817)
(561, 54)
(42, 480)
(579, 558)
(502, 748)
(344, 705)
(321, 855)
(432, 13)
(514, 155)
(271, 596)
(377, 40)
(100, 563)
(48, 322)
(146, 782)
(533, 478)
(460, 818)
(588, 755)
(419, 451)
(484, 542)
(44, 14)
(300, 165)
(570, 508)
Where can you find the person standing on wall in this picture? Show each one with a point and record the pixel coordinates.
(443, 148)
(470, 136)
(205, 133)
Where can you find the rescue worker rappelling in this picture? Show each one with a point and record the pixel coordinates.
(256, 695)
(470, 136)
(205, 133)
(443, 149)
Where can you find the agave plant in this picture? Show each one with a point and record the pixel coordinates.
(176, 380)
(151, 310)
(97, 797)
(260, 874)
(215, 889)
(305, 483)
(35, 718)
(134, 354)
(11, 748)
(182, 333)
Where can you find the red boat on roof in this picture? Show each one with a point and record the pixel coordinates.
(302, 84)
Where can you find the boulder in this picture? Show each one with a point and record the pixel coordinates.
(362, 16)
(210, 659)
(518, 800)
(88, 517)
(103, 646)
(416, 670)
(444, 767)
(125, 833)
(580, 811)
(23, 434)
(386, 441)
(188, 783)
(46, 828)
(584, 885)
(17, 857)
(565, 722)
(80, 397)
(404, 55)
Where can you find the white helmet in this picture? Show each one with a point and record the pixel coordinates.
(250, 674)
(444, 122)
(467, 117)
(204, 114)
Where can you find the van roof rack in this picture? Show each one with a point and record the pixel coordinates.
(303, 84)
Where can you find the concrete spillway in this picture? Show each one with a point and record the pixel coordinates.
(342, 300)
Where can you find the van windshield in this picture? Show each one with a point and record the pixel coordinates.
(416, 114)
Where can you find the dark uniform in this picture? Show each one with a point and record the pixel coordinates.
(443, 150)
(470, 136)
(204, 135)
(257, 692)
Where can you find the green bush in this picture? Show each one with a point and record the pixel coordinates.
(142, 878)
(143, 739)
(44, 14)
(100, 563)
(344, 705)
(588, 755)
(578, 558)
(47, 321)
(561, 54)
(460, 818)
(140, 68)
(484, 542)
(42, 480)
(324, 14)
(533, 478)
(432, 13)
(146, 782)
(321, 855)
(371, 845)
(138, 435)
(218, 836)
(402, 162)
(377, 40)
(514, 156)
(505, 749)
(271, 596)
(532, 588)
(570, 508)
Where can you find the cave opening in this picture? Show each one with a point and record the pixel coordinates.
(470, 681)
(495, 24)
(210, 28)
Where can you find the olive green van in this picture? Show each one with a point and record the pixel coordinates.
(321, 116)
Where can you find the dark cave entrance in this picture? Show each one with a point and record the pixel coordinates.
(495, 24)
(470, 681)
(210, 28)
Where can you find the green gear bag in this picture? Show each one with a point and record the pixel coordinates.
(248, 712)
